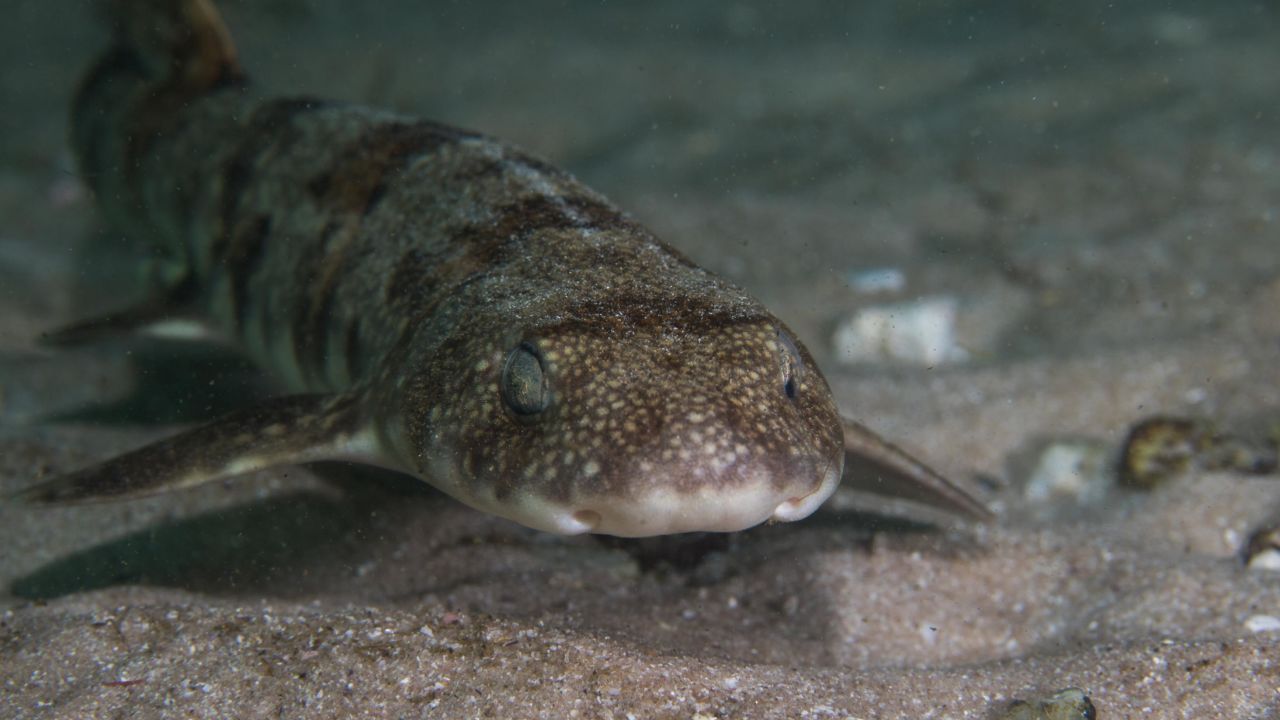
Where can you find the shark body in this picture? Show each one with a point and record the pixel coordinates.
(445, 305)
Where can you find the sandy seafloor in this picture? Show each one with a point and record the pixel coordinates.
(1096, 185)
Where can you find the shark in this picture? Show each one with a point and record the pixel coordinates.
(445, 305)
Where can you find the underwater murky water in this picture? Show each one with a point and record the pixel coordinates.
(1008, 232)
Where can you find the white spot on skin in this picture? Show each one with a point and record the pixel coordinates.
(591, 468)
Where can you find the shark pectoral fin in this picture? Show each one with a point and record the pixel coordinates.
(282, 431)
(166, 314)
(130, 322)
(875, 466)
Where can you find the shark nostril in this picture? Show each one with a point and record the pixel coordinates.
(802, 506)
(576, 522)
(787, 510)
(589, 519)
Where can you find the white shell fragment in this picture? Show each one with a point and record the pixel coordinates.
(920, 332)
(1073, 471)
(1262, 623)
(1262, 551)
(1266, 560)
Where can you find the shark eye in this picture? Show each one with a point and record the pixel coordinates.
(792, 365)
(524, 381)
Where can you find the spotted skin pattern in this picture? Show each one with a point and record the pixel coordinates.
(448, 305)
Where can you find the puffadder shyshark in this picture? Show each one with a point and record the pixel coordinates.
(445, 305)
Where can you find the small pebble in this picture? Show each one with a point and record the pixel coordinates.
(1262, 551)
(1262, 623)
(1266, 560)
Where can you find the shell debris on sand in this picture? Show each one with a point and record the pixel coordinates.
(921, 332)
(1262, 623)
(1262, 551)
(1074, 470)
(1159, 448)
(1068, 704)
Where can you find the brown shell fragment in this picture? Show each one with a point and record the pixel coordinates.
(1068, 704)
(1160, 448)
